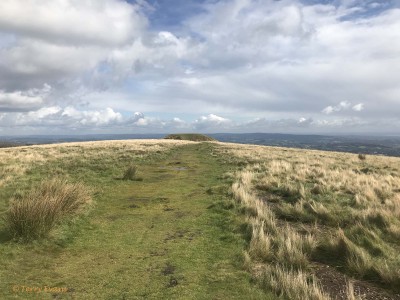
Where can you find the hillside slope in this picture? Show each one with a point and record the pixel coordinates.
(207, 221)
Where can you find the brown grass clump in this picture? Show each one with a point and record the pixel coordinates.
(36, 213)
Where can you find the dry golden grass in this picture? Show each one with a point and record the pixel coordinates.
(14, 162)
(329, 189)
(296, 285)
(284, 251)
(350, 292)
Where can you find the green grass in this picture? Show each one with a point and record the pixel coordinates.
(173, 235)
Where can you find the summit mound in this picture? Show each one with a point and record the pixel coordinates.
(195, 137)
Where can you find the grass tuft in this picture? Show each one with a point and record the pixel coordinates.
(362, 156)
(295, 285)
(35, 214)
(130, 173)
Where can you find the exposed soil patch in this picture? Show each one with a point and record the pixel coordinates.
(176, 235)
(332, 281)
(174, 168)
(161, 252)
(335, 284)
(113, 217)
(180, 169)
(137, 202)
(141, 199)
(168, 269)
(191, 236)
(175, 163)
(172, 282)
(167, 208)
(180, 214)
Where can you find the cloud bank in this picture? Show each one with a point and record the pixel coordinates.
(242, 65)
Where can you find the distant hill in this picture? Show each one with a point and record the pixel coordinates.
(6, 144)
(378, 145)
(195, 137)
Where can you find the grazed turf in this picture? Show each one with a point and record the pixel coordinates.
(173, 235)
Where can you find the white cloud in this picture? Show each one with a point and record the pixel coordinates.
(142, 122)
(104, 22)
(71, 120)
(284, 62)
(178, 123)
(103, 117)
(44, 112)
(23, 100)
(62, 118)
(302, 120)
(43, 116)
(211, 121)
(344, 105)
(358, 107)
(91, 118)
(63, 41)
(328, 110)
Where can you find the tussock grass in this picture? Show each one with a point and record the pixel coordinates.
(291, 284)
(130, 173)
(34, 214)
(362, 156)
(352, 257)
(282, 252)
(353, 201)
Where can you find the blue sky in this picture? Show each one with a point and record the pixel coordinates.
(114, 66)
(171, 14)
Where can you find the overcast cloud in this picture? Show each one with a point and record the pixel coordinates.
(113, 66)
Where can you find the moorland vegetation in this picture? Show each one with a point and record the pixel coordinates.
(194, 220)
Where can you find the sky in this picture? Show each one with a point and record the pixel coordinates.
(164, 66)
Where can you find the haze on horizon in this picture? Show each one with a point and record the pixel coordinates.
(155, 66)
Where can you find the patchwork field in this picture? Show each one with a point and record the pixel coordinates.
(166, 219)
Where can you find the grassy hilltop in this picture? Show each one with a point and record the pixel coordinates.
(194, 137)
(177, 219)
